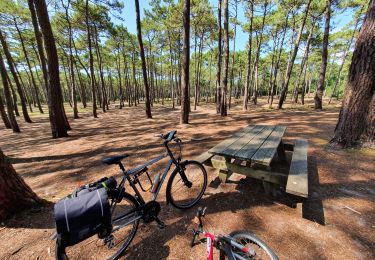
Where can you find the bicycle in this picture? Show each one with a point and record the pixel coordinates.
(237, 245)
(127, 210)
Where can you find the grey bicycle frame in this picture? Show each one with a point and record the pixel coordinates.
(137, 169)
(139, 197)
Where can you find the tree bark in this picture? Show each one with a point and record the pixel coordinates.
(8, 97)
(357, 115)
(15, 194)
(233, 55)
(15, 76)
(29, 67)
(91, 61)
(224, 82)
(248, 73)
(218, 72)
(58, 121)
(185, 99)
(104, 103)
(4, 115)
(321, 86)
(143, 59)
(73, 93)
(39, 42)
(302, 67)
(256, 63)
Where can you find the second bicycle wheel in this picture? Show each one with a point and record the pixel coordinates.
(187, 185)
(252, 247)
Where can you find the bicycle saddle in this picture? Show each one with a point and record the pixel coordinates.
(114, 159)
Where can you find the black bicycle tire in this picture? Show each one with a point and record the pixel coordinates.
(121, 251)
(256, 240)
(60, 252)
(170, 181)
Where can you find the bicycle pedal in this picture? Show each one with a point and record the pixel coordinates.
(161, 224)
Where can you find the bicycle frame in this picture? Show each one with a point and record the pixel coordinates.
(138, 196)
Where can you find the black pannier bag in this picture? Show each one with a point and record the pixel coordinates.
(82, 215)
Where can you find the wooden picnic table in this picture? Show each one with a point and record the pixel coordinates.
(251, 151)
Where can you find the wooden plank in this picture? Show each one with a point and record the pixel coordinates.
(203, 157)
(297, 183)
(224, 144)
(247, 151)
(268, 176)
(233, 148)
(268, 149)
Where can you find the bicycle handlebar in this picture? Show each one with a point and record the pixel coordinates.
(167, 137)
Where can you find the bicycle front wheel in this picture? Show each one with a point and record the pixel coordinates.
(248, 246)
(187, 185)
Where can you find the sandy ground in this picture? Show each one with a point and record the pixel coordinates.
(338, 221)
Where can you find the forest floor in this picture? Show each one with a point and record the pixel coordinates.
(338, 220)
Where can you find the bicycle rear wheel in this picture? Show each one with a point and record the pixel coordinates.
(187, 185)
(253, 247)
(125, 222)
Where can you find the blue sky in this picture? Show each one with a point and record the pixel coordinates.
(128, 14)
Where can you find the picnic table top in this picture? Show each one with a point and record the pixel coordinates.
(257, 144)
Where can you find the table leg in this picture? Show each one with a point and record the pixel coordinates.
(224, 175)
(281, 152)
(269, 188)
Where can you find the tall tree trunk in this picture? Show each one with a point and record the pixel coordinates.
(8, 97)
(73, 93)
(289, 69)
(233, 55)
(255, 93)
(224, 87)
(14, 97)
(276, 69)
(15, 77)
(346, 52)
(4, 115)
(185, 99)
(321, 86)
(39, 41)
(302, 67)
(171, 71)
(218, 72)
(29, 67)
(15, 194)
(357, 115)
(91, 61)
(59, 123)
(100, 63)
(248, 73)
(142, 53)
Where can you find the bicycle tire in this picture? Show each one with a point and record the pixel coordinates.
(259, 246)
(61, 254)
(170, 194)
(129, 239)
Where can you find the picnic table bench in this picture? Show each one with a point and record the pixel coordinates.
(250, 152)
